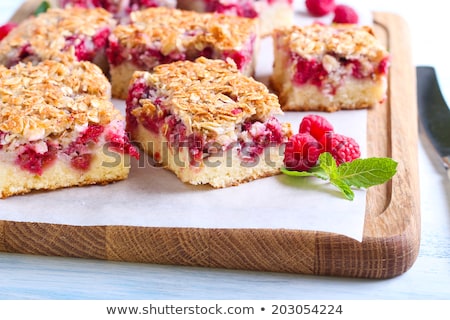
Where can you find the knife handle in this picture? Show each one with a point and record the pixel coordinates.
(446, 161)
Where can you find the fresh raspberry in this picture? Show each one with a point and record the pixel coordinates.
(345, 14)
(315, 125)
(342, 148)
(6, 29)
(320, 8)
(302, 152)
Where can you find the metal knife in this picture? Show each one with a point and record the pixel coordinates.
(433, 112)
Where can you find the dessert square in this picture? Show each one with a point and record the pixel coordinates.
(271, 13)
(119, 8)
(319, 67)
(161, 35)
(58, 128)
(207, 122)
(64, 35)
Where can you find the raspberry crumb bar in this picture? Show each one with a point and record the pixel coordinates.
(271, 13)
(207, 122)
(119, 8)
(328, 68)
(59, 34)
(161, 35)
(58, 128)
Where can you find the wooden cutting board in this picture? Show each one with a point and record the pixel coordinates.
(392, 223)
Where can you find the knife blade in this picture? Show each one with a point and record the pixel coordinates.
(433, 112)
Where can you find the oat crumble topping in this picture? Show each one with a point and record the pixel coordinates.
(349, 41)
(172, 29)
(50, 98)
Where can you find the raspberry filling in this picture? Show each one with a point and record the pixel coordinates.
(253, 136)
(309, 71)
(121, 144)
(37, 156)
(108, 5)
(243, 8)
(77, 3)
(141, 4)
(79, 149)
(112, 6)
(2, 139)
(313, 71)
(24, 54)
(85, 48)
(151, 57)
(259, 136)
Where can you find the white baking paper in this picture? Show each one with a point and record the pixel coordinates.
(153, 196)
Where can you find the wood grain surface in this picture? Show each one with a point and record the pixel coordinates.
(392, 224)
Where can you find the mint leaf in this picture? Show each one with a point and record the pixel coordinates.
(328, 164)
(365, 173)
(344, 187)
(43, 7)
(321, 172)
(314, 172)
(294, 173)
(360, 173)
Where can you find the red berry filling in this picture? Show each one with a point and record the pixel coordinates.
(34, 160)
(262, 135)
(243, 57)
(108, 5)
(100, 39)
(383, 66)
(79, 149)
(35, 157)
(140, 4)
(149, 58)
(86, 49)
(76, 3)
(2, 138)
(114, 53)
(121, 144)
(24, 54)
(195, 147)
(81, 162)
(313, 71)
(243, 8)
(308, 71)
(111, 6)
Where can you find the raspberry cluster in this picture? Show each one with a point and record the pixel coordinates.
(342, 13)
(315, 136)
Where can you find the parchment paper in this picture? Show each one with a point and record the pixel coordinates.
(153, 196)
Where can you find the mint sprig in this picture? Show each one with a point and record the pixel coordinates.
(43, 7)
(359, 173)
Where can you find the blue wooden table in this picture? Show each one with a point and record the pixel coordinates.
(36, 277)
